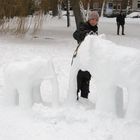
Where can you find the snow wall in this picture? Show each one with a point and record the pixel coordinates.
(113, 68)
(23, 81)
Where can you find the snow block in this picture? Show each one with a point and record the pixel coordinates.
(112, 67)
(23, 80)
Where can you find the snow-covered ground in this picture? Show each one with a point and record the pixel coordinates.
(66, 122)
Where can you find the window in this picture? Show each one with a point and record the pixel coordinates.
(110, 5)
(114, 6)
(96, 5)
(138, 4)
(118, 6)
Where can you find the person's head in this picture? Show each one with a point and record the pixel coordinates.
(93, 18)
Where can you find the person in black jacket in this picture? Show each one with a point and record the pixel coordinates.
(83, 77)
(120, 22)
(86, 27)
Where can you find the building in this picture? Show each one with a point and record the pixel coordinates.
(113, 7)
(136, 5)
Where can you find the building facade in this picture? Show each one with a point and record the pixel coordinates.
(136, 5)
(113, 7)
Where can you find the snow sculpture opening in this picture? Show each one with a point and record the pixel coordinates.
(111, 66)
(23, 80)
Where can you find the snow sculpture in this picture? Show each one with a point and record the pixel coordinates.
(111, 66)
(23, 80)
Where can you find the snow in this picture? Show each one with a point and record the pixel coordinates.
(26, 91)
(112, 66)
(77, 121)
(133, 15)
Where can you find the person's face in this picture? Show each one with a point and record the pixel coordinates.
(93, 22)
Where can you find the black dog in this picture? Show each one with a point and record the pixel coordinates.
(83, 79)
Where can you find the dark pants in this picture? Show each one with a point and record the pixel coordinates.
(83, 80)
(118, 29)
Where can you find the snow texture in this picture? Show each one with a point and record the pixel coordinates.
(112, 67)
(23, 81)
(79, 121)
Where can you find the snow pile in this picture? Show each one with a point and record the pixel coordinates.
(112, 66)
(134, 15)
(23, 81)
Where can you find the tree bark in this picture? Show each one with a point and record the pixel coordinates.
(54, 7)
(77, 13)
(103, 6)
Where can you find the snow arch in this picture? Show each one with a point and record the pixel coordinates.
(112, 66)
(23, 80)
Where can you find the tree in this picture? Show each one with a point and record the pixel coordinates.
(77, 13)
(54, 4)
(20, 10)
(103, 6)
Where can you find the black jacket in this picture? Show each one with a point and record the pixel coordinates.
(120, 19)
(83, 80)
(84, 28)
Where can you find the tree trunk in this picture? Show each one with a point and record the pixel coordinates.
(54, 7)
(77, 13)
(103, 6)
